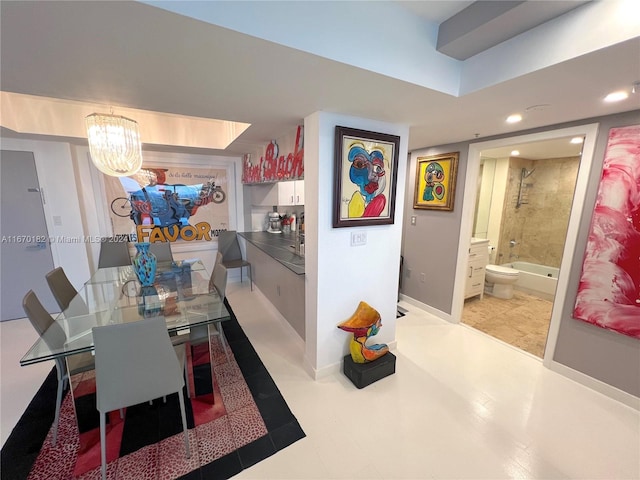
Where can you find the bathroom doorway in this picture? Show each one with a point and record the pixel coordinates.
(524, 197)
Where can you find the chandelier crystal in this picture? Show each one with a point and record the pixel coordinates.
(114, 143)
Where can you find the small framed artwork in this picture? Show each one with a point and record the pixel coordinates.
(365, 173)
(436, 181)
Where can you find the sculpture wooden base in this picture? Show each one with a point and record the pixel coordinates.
(363, 374)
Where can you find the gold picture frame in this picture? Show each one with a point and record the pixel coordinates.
(436, 181)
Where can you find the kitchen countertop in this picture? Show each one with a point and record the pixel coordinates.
(279, 246)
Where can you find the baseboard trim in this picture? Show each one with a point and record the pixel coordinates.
(429, 309)
(595, 384)
(336, 367)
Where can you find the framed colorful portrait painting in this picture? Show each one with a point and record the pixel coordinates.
(365, 173)
(436, 181)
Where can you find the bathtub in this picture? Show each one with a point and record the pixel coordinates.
(537, 280)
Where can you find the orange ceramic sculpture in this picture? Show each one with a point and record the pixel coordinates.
(364, 323)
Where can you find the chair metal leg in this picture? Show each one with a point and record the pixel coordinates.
(250, 278)
(184, 424)
(103, 446)
(186, 376)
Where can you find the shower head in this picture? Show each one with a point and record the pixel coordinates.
(526, 173)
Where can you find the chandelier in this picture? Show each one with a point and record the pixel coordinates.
(114, 143)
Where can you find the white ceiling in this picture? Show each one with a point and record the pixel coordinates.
(133, 55)
(545, 149)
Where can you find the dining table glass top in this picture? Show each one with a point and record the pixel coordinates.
(126, 272)
(180, 297)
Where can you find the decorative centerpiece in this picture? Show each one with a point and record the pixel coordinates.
(367, 363)
(364, 323)
(144, 264)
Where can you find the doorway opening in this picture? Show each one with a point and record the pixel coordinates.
(523, 199)
(523, 204)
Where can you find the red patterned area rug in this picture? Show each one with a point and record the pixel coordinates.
(241, 422)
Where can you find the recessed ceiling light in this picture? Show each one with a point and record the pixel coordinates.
(515, 153)
(616, 96)
(515, 118)
(577, 140)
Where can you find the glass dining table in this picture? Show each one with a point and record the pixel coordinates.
(180, 296)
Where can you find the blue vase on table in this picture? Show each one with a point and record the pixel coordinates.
(144, 264)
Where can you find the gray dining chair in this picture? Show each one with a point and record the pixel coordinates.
(220, 284)
(215, 264)
(201, 334)
(135, 363)
(61, 287)
(162, 251)
(55, 337)
(229, 246)
(219, 277)
(220, 280)
(113, 253)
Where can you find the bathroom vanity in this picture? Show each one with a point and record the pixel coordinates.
(476, 267)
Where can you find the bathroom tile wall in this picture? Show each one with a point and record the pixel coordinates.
(539, 224)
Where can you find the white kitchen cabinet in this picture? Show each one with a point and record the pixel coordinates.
(476, 268)
(291, 192)
(288, 193)
(299, 191)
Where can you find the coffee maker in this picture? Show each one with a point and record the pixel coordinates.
(274, 223)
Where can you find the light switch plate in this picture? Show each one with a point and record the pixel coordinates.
(358, 239)
(413, 219)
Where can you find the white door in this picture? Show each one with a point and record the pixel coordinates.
(26, 253)
(299, 191)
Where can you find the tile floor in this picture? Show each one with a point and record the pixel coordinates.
(522, 321)
(461, 405)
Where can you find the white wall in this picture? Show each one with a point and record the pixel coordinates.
(483, 208)
(339, 276)
(56, 176)
(501, 177)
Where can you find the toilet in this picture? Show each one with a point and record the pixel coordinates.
(499, 281)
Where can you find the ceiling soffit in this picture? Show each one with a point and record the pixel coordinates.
(485, 24)
(30, 114)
